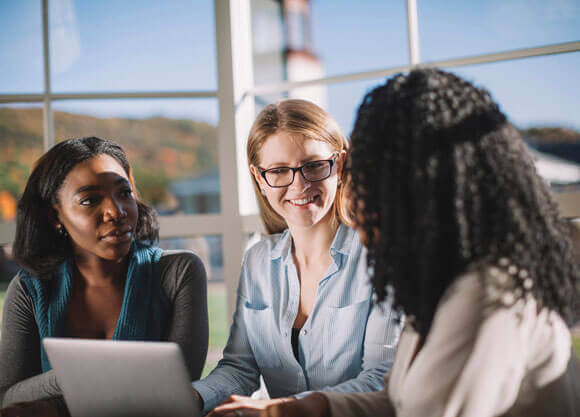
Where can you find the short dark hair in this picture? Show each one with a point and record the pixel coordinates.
(443, 183)
(38, 248)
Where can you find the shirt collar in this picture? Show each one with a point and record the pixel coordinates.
(342, 243)
(282, 247)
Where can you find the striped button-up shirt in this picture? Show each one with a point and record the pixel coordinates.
(345, 345)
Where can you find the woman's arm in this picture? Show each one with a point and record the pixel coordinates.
(237, 372)
(188, 324)
(21, 377)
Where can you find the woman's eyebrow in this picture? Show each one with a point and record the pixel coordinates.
(302, 162)
(85, 188)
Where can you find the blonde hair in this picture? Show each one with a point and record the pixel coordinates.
(299, 118)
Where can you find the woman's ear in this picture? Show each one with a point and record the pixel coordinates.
(340, 162)
(258, 178)
(256, 173)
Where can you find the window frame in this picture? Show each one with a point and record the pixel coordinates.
(235, 94)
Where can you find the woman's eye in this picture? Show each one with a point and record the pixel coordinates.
(89, 201)
(279, 171)
(315, 164)
(127, 192)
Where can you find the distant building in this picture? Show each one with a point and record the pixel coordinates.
(283, 48)
(562, 175)
(198, 194)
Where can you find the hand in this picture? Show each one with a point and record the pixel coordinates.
(39, 408)
(240, 406)
(313, 405)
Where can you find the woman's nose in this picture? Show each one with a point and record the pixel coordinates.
(114, 210)
(300, 183)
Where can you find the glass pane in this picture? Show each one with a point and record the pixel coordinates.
(541, 96)
(344, 99)
(125, 46)
(171, 144)
(21, 141)
(299, 40)
(209, 249)
(21, 68)
(460, 28)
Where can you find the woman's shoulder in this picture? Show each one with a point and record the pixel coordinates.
(18, 293)
(180, 267)
(179, 256)
(267, 246)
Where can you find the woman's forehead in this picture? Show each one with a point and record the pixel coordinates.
(284, 147)
(96, 169)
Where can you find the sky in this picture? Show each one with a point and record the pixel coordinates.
(149, 45)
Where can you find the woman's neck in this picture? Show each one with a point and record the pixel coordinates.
(311, 244)
(97, 272)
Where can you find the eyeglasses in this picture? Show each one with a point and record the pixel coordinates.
(312, 171)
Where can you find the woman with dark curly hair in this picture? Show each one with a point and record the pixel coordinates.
(90, 270)
(465, 236)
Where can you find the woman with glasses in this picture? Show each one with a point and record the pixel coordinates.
(304, 318)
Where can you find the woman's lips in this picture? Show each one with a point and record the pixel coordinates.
(303, 202)
(118, 235)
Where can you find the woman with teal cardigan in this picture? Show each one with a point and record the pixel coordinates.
(90, 269)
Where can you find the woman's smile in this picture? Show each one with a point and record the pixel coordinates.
(302, 203)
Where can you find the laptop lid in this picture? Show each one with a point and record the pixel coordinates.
(104, 378)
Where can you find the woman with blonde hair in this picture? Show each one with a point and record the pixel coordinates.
(304, 318)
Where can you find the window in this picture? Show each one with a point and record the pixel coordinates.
(148, 45)
(21, 47)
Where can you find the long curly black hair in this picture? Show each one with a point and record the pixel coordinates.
(441, 182)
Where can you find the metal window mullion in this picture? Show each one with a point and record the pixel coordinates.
(235, 78)
(413, 32)
(538, 51)
(48, 120)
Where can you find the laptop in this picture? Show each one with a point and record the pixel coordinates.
(102, 378)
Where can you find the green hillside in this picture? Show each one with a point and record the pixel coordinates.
(160, 149)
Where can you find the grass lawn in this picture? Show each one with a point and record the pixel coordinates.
(218, 324)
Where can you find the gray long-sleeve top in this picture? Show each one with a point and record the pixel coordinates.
(183, 280)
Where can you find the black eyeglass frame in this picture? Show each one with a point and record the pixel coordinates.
(331, 161)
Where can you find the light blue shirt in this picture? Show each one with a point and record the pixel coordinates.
(346, 345)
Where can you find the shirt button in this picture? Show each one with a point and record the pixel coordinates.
(304, 332)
